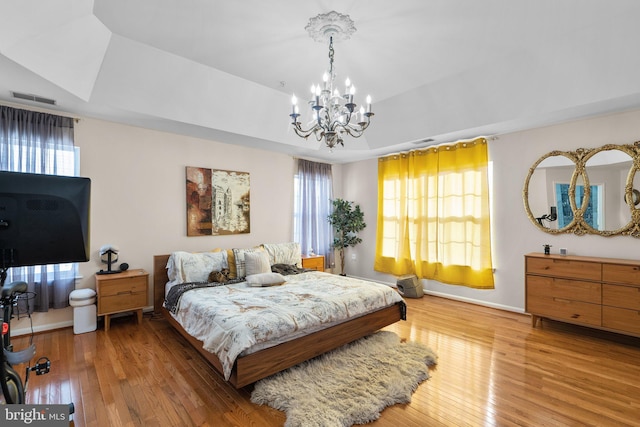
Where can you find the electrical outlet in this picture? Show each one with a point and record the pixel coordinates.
(353, 257)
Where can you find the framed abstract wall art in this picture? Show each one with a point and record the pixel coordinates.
(218, 202)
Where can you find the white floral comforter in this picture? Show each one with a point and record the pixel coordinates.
(231, 319)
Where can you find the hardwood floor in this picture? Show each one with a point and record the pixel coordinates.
(493, 370)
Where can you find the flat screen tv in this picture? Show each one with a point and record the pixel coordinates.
(44, 219)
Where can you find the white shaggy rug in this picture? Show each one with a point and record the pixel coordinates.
(349, 385)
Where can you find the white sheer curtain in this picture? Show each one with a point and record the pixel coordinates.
(40, 143)
(312, 206)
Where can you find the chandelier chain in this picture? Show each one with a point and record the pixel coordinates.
(331, 54)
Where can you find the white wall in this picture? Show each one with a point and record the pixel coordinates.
(138, 200)
(513, 235)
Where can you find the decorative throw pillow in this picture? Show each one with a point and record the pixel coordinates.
(256, 263)
(265, 279)
(231, 260)
(240, 262)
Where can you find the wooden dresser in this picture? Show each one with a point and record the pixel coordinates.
(121, 292)
(315, 262)
(602, 293)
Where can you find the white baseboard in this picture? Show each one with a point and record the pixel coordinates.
(42, 328)
(60, 325)
(393, 285)
(455, 297)
(475, 301)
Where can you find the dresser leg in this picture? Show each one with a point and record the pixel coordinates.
(139, 312)
(107, 319)
(534, 320)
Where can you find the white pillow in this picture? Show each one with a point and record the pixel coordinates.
(256, 263)
(265, 279)
(284, 253)
(239, 255)
(186, 267)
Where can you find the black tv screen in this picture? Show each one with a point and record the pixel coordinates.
(44, 219)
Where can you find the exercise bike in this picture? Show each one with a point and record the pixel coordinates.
(13, 388)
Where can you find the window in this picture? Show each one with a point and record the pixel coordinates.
(313, 191)
(433, 215)
(40, 143)
(594, 212)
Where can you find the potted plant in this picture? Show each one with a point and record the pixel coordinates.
(347, 220)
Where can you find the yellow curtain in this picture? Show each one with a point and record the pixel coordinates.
(433, 215)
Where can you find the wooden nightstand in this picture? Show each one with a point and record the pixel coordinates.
(120, 292)
(315, 262)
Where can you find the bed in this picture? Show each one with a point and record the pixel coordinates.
(251, 367)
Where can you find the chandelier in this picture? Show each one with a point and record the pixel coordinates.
(333, 114)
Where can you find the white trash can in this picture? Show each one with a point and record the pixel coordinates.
(85, 317)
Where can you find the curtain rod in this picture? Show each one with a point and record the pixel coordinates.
(39, 110)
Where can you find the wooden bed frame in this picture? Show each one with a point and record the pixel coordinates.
(253, 367)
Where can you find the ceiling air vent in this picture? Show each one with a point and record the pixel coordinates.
(424, 141)
(35, 98)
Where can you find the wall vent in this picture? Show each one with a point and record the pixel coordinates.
(34, 98)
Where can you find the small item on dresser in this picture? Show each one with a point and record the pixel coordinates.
(547, 249)
(108, 255)
(563, 251)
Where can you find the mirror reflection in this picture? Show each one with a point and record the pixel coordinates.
(634, 198)
(608, 172)
(546, 180)
(594, 191)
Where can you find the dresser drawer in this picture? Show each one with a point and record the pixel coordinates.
(576, 290)
(621, 296)
(619, 273)
(565, 309)
(572, 269)
(621, 319)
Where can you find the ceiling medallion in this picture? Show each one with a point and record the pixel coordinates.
(332, 24)
(333, 114)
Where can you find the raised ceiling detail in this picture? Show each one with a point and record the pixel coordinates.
(438, 70)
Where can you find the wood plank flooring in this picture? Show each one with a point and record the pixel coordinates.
(494, 369)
